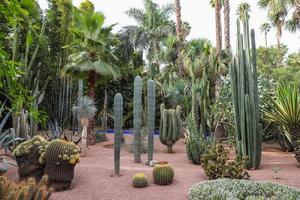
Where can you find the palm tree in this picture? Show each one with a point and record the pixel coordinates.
(285, 111)
(94, 56)
(179, 35)
(243, 11)
(277, 13)
(154, 25)
(216, 4)
(265, 28)
(84, 110)
(226, 12)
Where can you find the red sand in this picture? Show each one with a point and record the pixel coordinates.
(93, 175)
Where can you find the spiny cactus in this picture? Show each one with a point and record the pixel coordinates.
(150, 117)
(245, 97)
(61, 157)
(137, 118)
(170, 126)
(140, 180)
(26, 190)
(118, 113)
(28, 156)
(163, 173)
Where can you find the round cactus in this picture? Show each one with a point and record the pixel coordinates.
(140, 180)
(163, 173)
(28, 155)
(61, 157)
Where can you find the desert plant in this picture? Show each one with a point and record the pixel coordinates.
(284, 110)
(60, 159)
(28, 156)
(224, 189)
(137, 118)
(84, 110)
(150, 117)
(276, 170)
(245, 96)
(163, 173)
(170, 126)
(139, 180)
(216, 165)
(118, 113)
(25, 190)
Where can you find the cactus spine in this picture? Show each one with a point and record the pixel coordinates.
(170, 126)
(137, 121)
(245, 97)
(150, 117)
(118, 112)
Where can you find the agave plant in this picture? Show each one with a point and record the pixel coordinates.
(284, 110)
(84, 110)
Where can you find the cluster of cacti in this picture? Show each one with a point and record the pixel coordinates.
(170, 126)
(150, 117)
(25, 190)
(60, 159)
(137, 118)
(28, 156)
(163, 173)
(140, 180)
(245, 97)
(118, 112)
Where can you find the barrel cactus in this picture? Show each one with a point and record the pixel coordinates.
(170, 126)
(28, 155)
(61, 157)
(140, 180)
(163, 173)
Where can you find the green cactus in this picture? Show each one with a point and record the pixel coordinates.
(60, 159)
(28, 156)
(245, 97)
(137, 118)
(150, 117)
(118, 112)
(170, 126)
(163, 173)
(140, 180)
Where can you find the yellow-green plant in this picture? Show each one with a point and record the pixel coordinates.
(163, 173)
(139, 180)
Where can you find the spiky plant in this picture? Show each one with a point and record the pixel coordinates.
(84, 110)
(284, 110)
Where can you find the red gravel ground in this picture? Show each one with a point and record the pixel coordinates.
(94, 181)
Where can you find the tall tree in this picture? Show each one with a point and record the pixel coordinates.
(243, 11)
(94, 56)
(216, 4)
(179, 35)
(154, 25)
(226, 10)
(265, 28)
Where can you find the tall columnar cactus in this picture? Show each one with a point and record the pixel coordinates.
(245, 97)
(118, 112)
(170, 126)
(137, 118)
(150, 117)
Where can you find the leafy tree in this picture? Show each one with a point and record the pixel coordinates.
(243, 11)
(265, 28)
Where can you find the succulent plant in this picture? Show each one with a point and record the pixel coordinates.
(163, 173)
(140, 180)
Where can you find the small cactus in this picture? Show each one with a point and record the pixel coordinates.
(140, 180)
(118, 112)
(163, 173)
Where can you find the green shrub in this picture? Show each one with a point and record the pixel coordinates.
(216, 165)
(233, 189)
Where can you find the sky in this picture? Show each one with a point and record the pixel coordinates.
(200, 16)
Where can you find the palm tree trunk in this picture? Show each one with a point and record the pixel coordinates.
(227, 24)
(295, 138)
(91, 138)
(218, 27)
(84, 123)
(179, 37)
(266, 41)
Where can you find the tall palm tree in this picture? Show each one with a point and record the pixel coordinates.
(217, 5)
(179, 35)
(93, 57)
(278, 10)
(243, 11)
(154, 25)
(226, 11)
(265, 28)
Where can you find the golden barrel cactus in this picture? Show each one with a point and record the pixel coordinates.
(163, 173)
(140, 180)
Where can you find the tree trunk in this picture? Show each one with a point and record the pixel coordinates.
(91, 137)
(266, 41)
(227, 24)
(179, 38)
(84, 123)
(218, 27)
